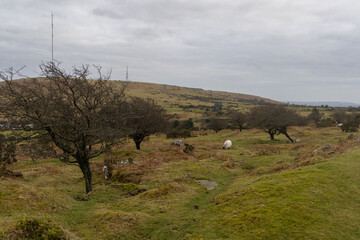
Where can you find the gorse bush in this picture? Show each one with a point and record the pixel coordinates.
(351, 125)
(327, 122)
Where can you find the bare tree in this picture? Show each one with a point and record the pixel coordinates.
(82, 117)
(239, 119)
(146, 118)
(274, 119)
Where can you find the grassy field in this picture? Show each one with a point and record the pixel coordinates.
(265, 189)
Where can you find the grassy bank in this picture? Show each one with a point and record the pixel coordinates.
(265, 190)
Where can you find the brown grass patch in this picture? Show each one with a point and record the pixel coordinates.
(224, 156)
(265, 150)
(162, 191)
(131, 167)
(41, 170)
(298, 146)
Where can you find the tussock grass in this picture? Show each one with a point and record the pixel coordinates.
(265, 189)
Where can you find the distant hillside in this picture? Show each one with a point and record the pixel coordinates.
(330, 104)
(190, 102)
(178, 99)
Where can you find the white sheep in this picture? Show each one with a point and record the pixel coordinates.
(227, 144)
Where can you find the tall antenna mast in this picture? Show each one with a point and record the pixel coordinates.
(127, 74)
(52, 37)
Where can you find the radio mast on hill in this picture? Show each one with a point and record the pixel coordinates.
(127, 74)
(52, 37)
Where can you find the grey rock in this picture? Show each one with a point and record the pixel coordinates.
(177, 143)
(106, 172)
(210, 185)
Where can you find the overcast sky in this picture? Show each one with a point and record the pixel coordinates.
(306, 50)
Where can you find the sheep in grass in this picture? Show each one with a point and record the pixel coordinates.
(227, 144)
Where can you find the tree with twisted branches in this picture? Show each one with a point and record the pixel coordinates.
(274, 119)
(146, 118)
(82, 116)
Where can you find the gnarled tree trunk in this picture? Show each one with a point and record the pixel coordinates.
(287, 135)
(85, 168)
(138, 138)
(272, 133)
(137, 143)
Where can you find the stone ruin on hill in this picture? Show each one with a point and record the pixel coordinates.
(217, 107)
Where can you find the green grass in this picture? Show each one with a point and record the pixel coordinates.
(313, 202)
(266, 190)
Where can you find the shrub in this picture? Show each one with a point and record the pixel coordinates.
(131, 189)
(314, 115)
(351, 124)
(184, 133)
(35, 229)
(327, 122)
(187, 124)
(188, 148)
(217, 124)
(126, 177)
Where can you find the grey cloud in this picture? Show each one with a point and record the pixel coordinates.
(107, 13)
(285, 50)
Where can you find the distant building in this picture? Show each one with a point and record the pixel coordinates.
(217, 107)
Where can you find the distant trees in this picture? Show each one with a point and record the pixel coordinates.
(315, 115)
(217, 124)
(239, 119)
(339, 116)
(146, 117)
(82, 117)
(326, 122)
(187, 124)
(273, 119)
(350, 123)
(180, 129)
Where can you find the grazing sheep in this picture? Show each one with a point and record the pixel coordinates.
(227, 144)
(340, 125)
(177, 143)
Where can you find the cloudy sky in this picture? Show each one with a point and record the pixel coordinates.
(306, 50)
